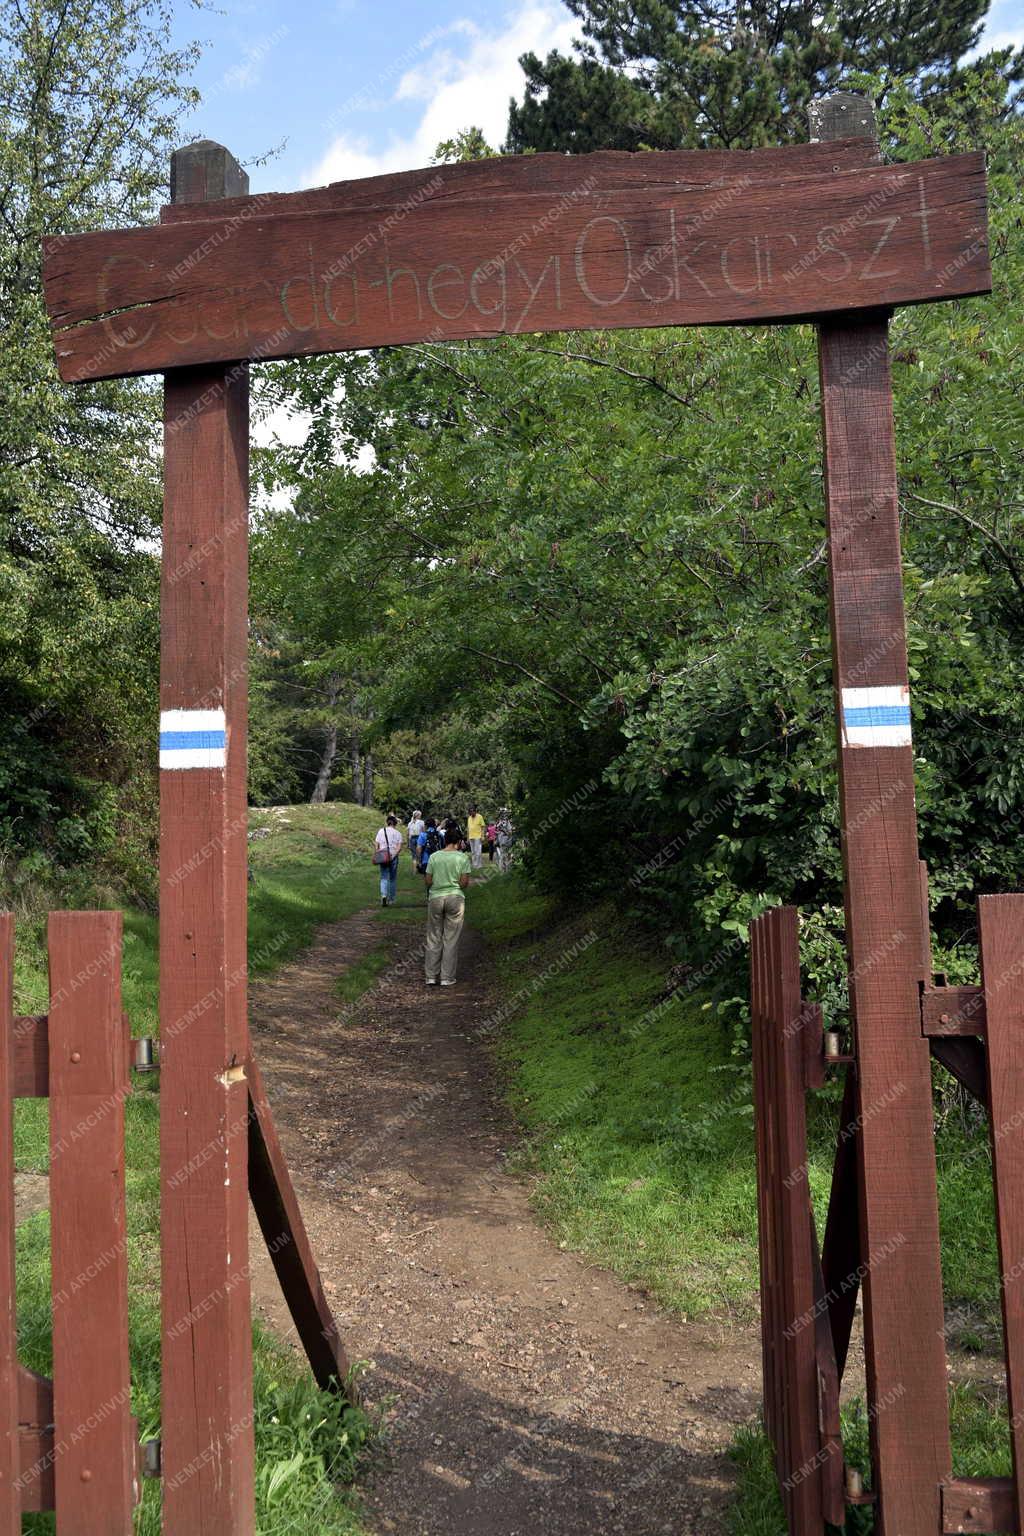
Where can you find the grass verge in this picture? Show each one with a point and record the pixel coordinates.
(639, 1126)
(309, 866)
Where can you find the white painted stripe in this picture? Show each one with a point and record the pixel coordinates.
(192, 720)
(194, 757)
(887, 694)
(891, 729)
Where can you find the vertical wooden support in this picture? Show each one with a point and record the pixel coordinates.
(904, 1345)
(1001, 935)
(787, 1246)
(208, 1454)
(10, 1459)
(94, 1441)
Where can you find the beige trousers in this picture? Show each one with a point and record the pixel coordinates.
(444, 927)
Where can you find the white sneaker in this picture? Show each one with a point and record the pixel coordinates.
(447, 983)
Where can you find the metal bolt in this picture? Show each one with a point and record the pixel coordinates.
(85, 1475)
(854, 1483)
(943, 1018)
(832, 1045)
(76, 1057)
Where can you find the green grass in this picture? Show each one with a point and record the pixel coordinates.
(359, 977)
(639, 1128)
(313, 866)
(638, 1120)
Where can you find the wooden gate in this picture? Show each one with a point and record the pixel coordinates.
(71, 1444)
(822, 231)
(808, 1299)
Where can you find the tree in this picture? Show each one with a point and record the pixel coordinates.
(671, 74)
(91, 92)
(612, 546)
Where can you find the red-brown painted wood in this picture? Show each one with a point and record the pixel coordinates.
(552, 175)
(207, 1355)
(790, 1312)
(1001, 941)
(284, 1231)
(756, 248)
(977, 1504)
(95, 1459)
(840, 1252)
(905, 1356)
(10, 1452)
(32, 1055)
(953, 1011)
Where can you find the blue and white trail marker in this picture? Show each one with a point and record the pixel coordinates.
(193, 738)
(877, 717)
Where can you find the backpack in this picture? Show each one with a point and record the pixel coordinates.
(434, 843)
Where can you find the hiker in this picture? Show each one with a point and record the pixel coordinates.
(475, 829)
(447, 878)
(414, 829)
(387, 847)
(430, 841)
(492, 838)
(505, 834)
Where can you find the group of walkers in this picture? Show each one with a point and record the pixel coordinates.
(440, 856)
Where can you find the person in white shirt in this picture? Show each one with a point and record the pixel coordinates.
(416, 826)
(387, 847)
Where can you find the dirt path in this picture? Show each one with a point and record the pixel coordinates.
(529, 1392)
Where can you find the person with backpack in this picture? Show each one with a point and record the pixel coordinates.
(505, 835)
(387, 847)
(429, 841)
(447, 877)
(492, 838)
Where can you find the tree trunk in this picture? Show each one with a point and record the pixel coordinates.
(357, 769)
(368, 779)
(323, 777)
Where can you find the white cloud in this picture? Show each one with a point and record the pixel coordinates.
(459, 88)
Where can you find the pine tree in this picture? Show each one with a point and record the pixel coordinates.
(666, 74)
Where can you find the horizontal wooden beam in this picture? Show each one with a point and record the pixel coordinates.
(751, 245)
(32, 1056)
(978, 1504)
(953, 1011)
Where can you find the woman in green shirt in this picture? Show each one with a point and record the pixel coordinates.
(447, 879)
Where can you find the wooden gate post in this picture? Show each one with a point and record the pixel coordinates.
(903, 1322)
(208, 1457)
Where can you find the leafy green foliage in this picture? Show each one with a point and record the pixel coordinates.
(703, 74)
(613, 545)
(90, 95)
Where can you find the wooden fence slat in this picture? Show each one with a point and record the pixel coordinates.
(1001, 940)
(965, 1059)
(10, 1450)
(284, 1231)
(833, 1504)
(953, 1011)
(977, 1504)
(840, 1249)
(94, 1461)
(208, 1450)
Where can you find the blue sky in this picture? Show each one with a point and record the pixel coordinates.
(352, 87)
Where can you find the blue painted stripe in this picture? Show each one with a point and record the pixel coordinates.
(182, 741)
(878, 714)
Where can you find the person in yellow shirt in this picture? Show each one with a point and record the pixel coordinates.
(476, 827)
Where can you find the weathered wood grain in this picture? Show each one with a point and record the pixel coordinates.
(757, 247)
(792, 1339)
(94, 1444)
(284, 1231)
(10, 1464)
(977, 1504)
(840, 1251)
(904, 1348)
(31, 1055)
(208, 1452)
(953, 1011)
(551, 175)
(1001, 942)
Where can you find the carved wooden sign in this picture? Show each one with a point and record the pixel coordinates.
(538, 243)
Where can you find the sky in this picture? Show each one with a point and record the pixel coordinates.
(346, 88)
